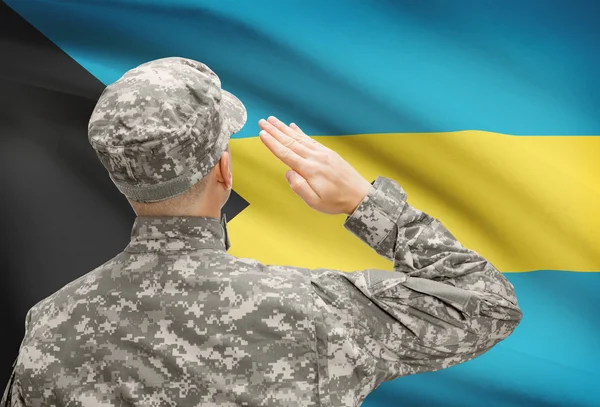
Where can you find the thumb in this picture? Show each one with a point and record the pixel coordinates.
(300, 186)
(288, 176)
(294, 179)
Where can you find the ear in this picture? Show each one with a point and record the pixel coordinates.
(225, 176)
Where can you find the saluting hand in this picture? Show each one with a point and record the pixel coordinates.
(319, 175)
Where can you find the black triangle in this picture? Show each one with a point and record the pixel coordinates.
(61, 216)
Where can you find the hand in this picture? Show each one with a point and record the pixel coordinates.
(323, 179)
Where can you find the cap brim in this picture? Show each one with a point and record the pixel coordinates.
(234, 112)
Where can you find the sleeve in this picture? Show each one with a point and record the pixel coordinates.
(442, 305)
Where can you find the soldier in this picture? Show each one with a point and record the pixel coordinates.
(174, 320)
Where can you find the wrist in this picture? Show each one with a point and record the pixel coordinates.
(360, 195)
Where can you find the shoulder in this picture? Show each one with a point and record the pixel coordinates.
(82, 289)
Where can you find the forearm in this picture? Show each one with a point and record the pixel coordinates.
(427, 253)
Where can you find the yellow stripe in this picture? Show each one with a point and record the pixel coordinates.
(524, 203)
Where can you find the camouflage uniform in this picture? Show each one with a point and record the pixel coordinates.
(174, 320)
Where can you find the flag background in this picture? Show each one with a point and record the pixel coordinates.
(487, 114)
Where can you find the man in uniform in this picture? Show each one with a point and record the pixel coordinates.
(174, 320)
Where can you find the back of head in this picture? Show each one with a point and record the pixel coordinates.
(162, 127)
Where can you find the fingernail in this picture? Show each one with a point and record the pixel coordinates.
(262, 121)
(293, 125)
(272, 119)
(263, 133)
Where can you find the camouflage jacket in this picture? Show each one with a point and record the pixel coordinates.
(174, 320)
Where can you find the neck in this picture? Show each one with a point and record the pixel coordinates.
(191, 213)
(198, 210)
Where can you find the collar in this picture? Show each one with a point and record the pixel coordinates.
(178, 233)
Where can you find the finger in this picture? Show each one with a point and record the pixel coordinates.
(286, 155)
(298, 129)
(289, 142)
(301, 187)
(310, 142)
(298, 136)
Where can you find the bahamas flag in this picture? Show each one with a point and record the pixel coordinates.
(487, 113)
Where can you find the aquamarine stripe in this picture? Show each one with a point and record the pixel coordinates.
(348, 66)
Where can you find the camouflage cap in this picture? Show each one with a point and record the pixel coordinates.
(163, 126)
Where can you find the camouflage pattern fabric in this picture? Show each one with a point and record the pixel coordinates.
(163, 126)
(174, 320)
